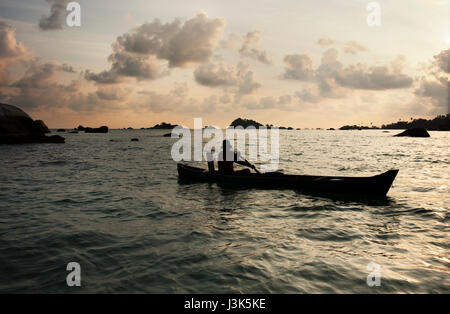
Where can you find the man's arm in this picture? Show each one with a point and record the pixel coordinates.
(241, 161)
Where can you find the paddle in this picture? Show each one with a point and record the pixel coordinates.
(252, 166)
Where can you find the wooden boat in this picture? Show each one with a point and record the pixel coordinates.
(375, 185)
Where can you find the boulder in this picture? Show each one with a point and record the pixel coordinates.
(16, 127)
(415, 132)
(42, 126)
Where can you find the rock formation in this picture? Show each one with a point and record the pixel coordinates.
(42, 125)
(16, 127)
(415, 132)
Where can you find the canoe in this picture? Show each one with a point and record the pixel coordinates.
(378, 185)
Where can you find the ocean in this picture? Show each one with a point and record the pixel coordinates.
(117, 209)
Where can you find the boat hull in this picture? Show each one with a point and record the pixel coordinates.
(375, 185)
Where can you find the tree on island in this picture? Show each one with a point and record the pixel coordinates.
(439, 123)
(245, 123)
(164, 126)
(249, 122)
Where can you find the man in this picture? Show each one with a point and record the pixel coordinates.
(227, 157)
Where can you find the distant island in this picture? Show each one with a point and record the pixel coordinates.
(102, 129)
(439, 123)
(245, 123)
(358, 127)
(163, 126)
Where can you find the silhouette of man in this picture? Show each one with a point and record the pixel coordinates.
(228, 156)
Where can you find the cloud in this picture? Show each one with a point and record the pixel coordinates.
(325, 42)
(143, 52)
(434, 87)
(181, 44)
(250, 48)
(350, 47)
(333, 78)
(42, 87)
(298, 67)
(372, 78)
(11, 52)
(157, 102)
(307, 95)
(112, 94)
(124, 64)
(177, 100)
(9, 47)
(216, 74)
(437, 92)
(39, 86)
(40, 74)
(232, 41)
(240, 79)
(57, 15)
(442, 60)
(104, 77)
(268, 102)
(134, 66)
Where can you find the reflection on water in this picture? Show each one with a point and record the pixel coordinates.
(118, 209)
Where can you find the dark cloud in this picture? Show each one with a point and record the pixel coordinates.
(250, 48)
(57, 15)
(105, 77)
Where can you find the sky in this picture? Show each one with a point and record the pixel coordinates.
(305, 64)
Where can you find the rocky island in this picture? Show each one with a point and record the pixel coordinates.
(249, 122)
(163, 126)
(102, 129)
(16, 127)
